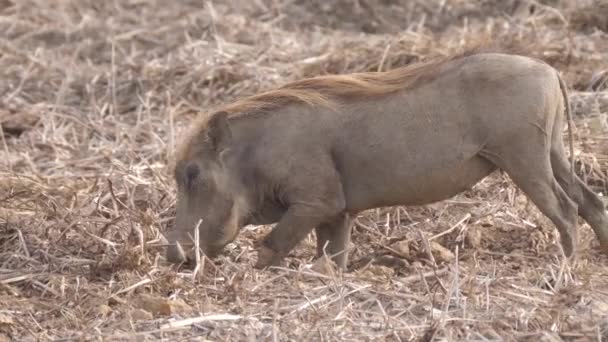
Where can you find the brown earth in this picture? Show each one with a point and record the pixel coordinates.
(94, 95)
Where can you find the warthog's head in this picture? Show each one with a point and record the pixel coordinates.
(209, 194)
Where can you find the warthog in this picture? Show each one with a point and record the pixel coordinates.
(314, 153)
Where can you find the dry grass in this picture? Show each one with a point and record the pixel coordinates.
(94, 95)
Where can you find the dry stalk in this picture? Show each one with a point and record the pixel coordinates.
(197, 252)
(426, 247)
(452, 228)
(196, 320)
(132, 287)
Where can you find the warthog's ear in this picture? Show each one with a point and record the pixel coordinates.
(219, 131)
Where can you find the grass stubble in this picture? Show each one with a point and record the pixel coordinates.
(94, 96)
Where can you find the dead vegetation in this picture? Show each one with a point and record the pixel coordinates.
(95, 94)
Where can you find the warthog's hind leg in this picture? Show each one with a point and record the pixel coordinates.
(590, 206)
(530, 169)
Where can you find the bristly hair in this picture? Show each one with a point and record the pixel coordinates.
(327, 90)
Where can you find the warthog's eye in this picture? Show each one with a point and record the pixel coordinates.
(192, 171)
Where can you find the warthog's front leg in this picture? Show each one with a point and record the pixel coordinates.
(291, 229)
(313, 195)
(333, 238)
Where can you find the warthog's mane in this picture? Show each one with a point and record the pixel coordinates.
(328, 90)
(325, 90)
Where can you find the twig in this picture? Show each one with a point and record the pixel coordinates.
(310, 303)
(207, 318)
(452, 228)
(413, 278)
(5, 145)
(16, 279)
(22, 242)
(197, 251)
(132, 287)
(427, 248)
(275, 328)
(113, 77)
(384, 55)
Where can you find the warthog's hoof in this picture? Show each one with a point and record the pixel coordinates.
(176, 253)
(569, 244)
(267, 257)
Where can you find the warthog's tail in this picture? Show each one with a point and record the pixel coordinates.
(564, 89)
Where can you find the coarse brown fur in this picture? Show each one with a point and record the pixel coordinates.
(315, 154)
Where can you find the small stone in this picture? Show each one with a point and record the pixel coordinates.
(141, 315)
(179, 306)
(17, 122)
(403, 249)
(391, 262)
(6, 320)
(161, 306)
(440, 253)
(104, 310)
(600, 307)
(6, 326)
(377, 272)
(155, 305)
(472, 237)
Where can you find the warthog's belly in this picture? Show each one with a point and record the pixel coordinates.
(392, 187)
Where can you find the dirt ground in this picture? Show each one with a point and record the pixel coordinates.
(94, 95)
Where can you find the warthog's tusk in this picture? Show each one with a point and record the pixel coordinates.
(180, 251)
